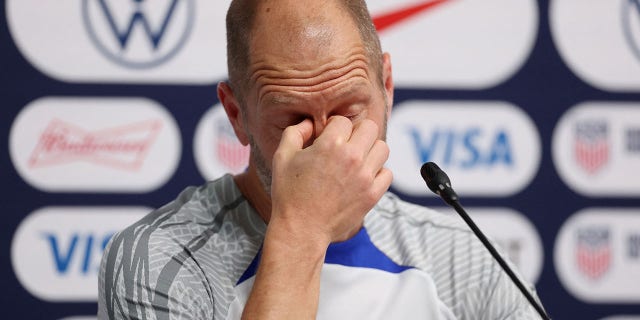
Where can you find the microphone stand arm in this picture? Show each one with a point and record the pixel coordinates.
(456, 205)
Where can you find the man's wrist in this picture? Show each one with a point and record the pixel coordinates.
(287, 283)
(284, 234)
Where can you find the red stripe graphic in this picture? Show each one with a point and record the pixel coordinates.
(387, 20)
(593, 263)
(232, 154)
(591, 156)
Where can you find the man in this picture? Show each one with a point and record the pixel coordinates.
(308, 230)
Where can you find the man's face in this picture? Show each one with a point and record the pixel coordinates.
(308, 63)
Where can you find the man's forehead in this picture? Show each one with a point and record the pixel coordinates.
(289, 9)
(299, 21)
(311, 44)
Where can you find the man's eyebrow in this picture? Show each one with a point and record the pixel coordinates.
(276, 99)
(357, 90)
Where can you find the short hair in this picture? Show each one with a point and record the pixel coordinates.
(240, 20)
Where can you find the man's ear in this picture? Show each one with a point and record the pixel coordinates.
(234, 113)
(387, 80)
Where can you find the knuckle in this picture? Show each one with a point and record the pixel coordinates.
(383, 148)
(352, 157)
(324, 145)
(371, 196)
(389, 174)
(365, 178)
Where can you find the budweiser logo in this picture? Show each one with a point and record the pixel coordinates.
(123, 147)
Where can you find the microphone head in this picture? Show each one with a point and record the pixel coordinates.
(433, 176)
(438, 182)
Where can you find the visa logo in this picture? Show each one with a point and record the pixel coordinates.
(474, 141)
(56, 251)
(76, 252)
(465, 149)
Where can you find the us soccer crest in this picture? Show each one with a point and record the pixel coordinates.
(593, 252)
(591, 145)
(229, 151)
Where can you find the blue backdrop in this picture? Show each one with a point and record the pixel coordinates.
(545, 87)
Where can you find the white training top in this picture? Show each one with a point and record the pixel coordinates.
(196, 258)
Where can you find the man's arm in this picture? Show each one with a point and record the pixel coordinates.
(134, 283)
(320, 194)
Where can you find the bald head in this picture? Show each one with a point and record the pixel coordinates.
(292, 23)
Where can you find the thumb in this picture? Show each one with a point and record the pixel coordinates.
(295, 137)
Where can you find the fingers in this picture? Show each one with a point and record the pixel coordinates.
(337, 131)
(377, 156)
(382, 182)
(364, 136)
(295, 137)
(363, 143)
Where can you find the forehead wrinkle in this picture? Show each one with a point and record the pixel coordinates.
(312, 83)
(268, 78)
(319, 88)
(272, 68)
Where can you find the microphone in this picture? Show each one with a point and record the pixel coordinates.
(439, 183)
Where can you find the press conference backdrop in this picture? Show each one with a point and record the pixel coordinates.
(109, 109)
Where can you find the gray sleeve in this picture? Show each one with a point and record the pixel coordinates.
(147, 275)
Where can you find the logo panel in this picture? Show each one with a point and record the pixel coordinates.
(182, 41)
(486, 148)
(95, 145)
(125, 41)
(216, 148)
(595, 149)
(599, 41)
(56, 251)
(513, 233)
(594, 255)
(430, 47)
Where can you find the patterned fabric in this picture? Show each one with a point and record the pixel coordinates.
(184, 260)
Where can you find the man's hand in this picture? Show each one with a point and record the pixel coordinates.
(324, 191)
(320, 194)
